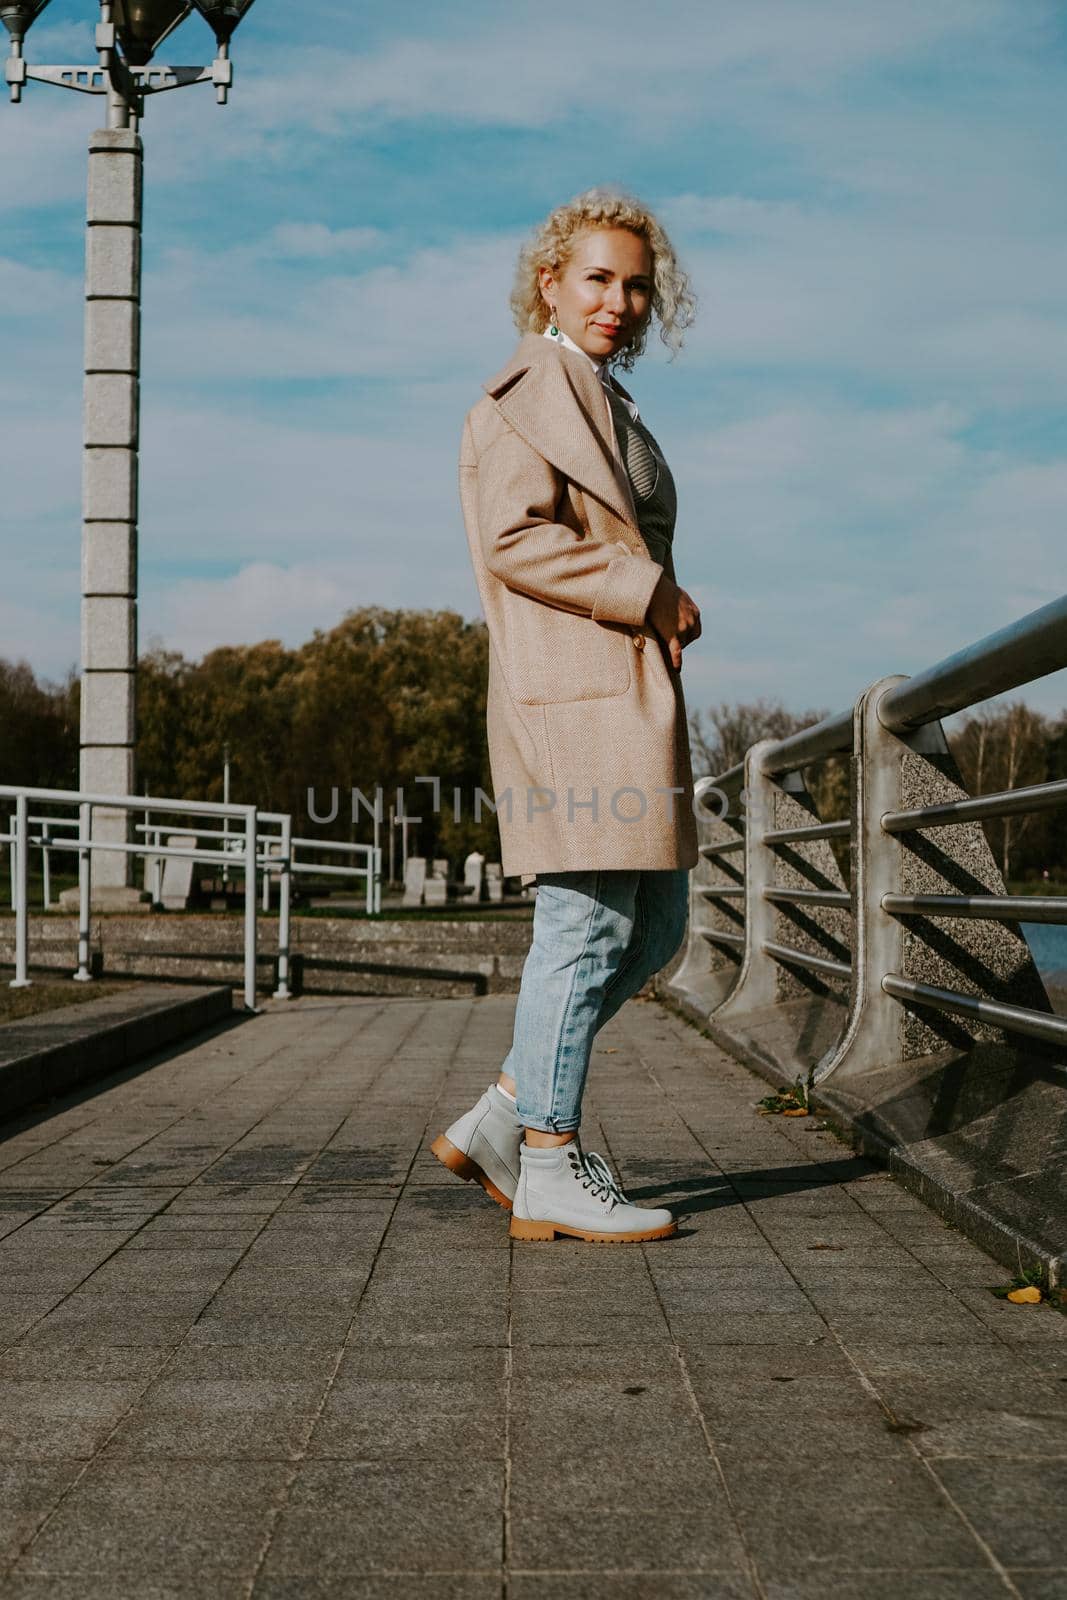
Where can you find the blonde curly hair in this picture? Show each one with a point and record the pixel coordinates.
(552, 243)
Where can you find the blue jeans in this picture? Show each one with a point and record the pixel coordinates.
(597, 937)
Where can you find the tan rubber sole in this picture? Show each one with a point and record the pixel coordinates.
(521, 1229)
(450, 1156)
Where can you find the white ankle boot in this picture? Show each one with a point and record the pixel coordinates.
(564, 1190)
(483, 1146)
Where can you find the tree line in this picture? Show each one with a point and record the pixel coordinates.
(388, 696)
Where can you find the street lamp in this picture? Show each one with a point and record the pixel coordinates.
(128, 34)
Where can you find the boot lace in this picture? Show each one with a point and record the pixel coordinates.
(595, 1175)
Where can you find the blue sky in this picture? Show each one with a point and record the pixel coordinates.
(868, 424)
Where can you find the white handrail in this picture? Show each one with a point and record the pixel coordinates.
(86, 844)
(284, 865)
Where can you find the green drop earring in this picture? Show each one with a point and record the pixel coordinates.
(553, 327)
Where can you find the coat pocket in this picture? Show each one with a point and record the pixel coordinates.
(555, 655)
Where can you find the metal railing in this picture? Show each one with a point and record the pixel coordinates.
(880, 942)
(274, 853)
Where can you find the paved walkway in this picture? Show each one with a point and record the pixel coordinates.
(256, 1342)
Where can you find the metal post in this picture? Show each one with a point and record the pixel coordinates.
(378, 878)
(22, 905)
(871, 1037)
(266, 875)
(282, 992)
(225, 820)
(12, 864)
(45, 866)
(250, 908)
(85, 878)
(757, 982)
(157, 868)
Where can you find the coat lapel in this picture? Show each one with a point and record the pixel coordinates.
(554, 400)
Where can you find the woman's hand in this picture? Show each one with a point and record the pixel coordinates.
(675, 617)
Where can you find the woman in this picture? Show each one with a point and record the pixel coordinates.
(569, 508)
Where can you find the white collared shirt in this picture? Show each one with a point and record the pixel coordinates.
(599, 367)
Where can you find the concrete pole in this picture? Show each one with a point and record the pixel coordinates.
(109, 527)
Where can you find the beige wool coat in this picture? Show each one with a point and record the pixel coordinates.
(588, 736)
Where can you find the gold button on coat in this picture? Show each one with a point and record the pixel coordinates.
(639, 641)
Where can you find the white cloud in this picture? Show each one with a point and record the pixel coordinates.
(511, 70)
(294, 241)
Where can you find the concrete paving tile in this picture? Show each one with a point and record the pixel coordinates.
(804, 1437)
(28, 1492)
(203, 1434)
(245, 1226)
(11, 1221)
(818, 1355)
(1010, 1322)
(228, 1199)
(53, 1283)
(589, 1328)
(125, 1516)
(1049, 1585)
(683, 1293)
(886, 1512)
(700, 1539)
(70, 1362)
(369, 1200)
(219, 1585)
(420, 1434)
(21, 1312)
(256, 1328)
(542, 1440)
(624, 1390)
(619, 1586)
(385, 1397)
(169, 1239)
(730, 1326)
(381, 1586)
(222, 1395)
(309, 1293)
(610, 1365)
(98, 1319)
(153, 1273)
(926, 1584)
(49, 1418)
(461, 1214)
(1018, 1505)
(973, 1360)
(422, 1362)
(994, 1433)
(372, 1165)
(361, 1517)
(777, 1394)
(933, 1324)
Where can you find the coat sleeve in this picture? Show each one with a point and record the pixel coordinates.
(528, 551)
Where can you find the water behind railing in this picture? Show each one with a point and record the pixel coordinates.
(1048, 946)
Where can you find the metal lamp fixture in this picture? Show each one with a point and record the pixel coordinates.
(142, 25)
(17, 18)
(222, 16)
(127, 37)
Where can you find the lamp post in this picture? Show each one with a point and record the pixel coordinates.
(127, 36)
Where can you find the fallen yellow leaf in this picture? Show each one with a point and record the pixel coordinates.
(798, 1111)
(1030, 1296)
